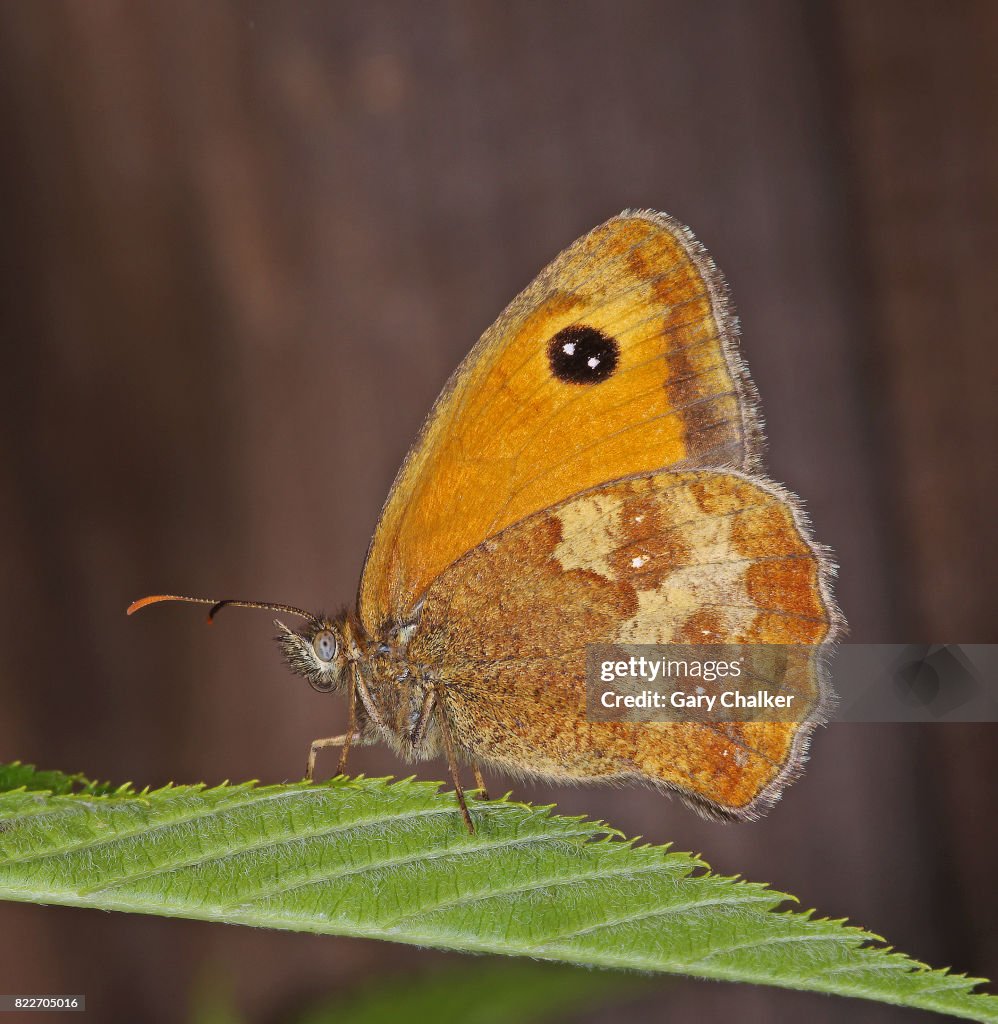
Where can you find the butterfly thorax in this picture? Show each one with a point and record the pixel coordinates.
(398, 697)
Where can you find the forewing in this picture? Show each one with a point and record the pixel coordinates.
(508, 437)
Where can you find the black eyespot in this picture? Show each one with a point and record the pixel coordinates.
(583, 355)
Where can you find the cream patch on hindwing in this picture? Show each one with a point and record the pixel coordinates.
(588, 534)
(663, 613)
(713, 577)
(706, 535)
(713, 573)
(593, 529)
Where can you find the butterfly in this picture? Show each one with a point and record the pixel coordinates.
(591, 473)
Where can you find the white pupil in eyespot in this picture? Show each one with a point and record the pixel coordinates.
(324, 645)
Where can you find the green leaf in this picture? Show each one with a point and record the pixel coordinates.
(25, 776)
(366, 857)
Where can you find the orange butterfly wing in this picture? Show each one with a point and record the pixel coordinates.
(508, 438)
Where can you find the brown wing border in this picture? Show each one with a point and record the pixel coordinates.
(729, 332)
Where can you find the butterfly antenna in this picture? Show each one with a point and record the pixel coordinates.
(217, 606)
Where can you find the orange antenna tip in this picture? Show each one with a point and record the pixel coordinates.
(155, 599)
(217, 606)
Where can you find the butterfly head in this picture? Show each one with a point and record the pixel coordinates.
(318, 652)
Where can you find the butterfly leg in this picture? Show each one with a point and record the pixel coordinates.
(454, 772)
(341, 768)
(483, 793)
(333, 741)
(370, 708)
(418, 735)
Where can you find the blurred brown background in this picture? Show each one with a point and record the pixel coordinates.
(244, 245)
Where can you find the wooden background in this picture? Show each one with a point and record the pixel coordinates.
(245, 243)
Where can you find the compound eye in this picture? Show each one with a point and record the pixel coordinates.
(325, 646)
